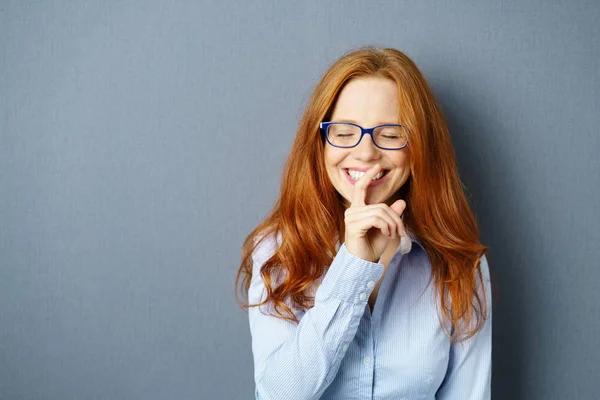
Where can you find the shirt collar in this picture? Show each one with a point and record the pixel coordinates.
(414, 239)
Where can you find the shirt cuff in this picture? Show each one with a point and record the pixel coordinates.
(349, 278)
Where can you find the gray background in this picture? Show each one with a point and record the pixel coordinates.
(142, 141)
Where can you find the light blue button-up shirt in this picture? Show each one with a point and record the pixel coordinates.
(342, 350)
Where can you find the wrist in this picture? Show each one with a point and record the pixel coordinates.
(359, 254)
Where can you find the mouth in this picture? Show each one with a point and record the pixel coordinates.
(354, 176)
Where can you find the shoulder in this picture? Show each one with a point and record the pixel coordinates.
(485, 269)
(265, 245)
(265, 248)
(484, 285)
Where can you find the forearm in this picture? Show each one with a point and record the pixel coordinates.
(300, 361)
(305, 364)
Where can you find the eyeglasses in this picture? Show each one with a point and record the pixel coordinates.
(347, 135)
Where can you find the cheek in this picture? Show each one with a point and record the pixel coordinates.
(333, 157)
(402, 161)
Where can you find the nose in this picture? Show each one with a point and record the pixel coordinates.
(366, 149)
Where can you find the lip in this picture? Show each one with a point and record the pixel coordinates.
(373, 183)
(361, 169)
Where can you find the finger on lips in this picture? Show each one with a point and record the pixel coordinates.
(387, 219)
(360, 186)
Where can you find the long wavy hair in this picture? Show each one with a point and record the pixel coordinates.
(309, 212)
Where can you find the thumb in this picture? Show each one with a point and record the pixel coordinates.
(399, 206)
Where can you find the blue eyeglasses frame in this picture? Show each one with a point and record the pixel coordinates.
(363, 131)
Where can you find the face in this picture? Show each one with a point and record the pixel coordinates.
(367, 101)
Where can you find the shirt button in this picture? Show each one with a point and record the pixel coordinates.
(366, 360)
(370, 285)
(345, 347)
(362, 296)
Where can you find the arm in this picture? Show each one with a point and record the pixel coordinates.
(470, 366)
(300, 361)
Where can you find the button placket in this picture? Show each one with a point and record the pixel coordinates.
(367, 360)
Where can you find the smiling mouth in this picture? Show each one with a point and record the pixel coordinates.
(356, 175)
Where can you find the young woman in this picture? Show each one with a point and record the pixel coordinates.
(368, 279)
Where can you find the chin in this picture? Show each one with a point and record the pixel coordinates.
(379, 199)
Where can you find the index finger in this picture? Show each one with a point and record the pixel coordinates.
(361, 185)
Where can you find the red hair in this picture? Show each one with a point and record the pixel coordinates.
(309, 212)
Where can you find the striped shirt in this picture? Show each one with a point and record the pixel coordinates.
(342, 350)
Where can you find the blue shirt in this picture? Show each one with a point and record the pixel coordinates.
(340, 350)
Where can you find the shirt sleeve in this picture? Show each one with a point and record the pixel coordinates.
(470, 366)
(299, 361)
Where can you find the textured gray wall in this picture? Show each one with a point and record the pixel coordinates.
(142, 141)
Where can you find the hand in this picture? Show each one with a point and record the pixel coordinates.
(369, 228)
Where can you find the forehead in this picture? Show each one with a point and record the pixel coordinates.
(368, 101)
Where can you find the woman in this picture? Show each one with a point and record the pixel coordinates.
(368, 280)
